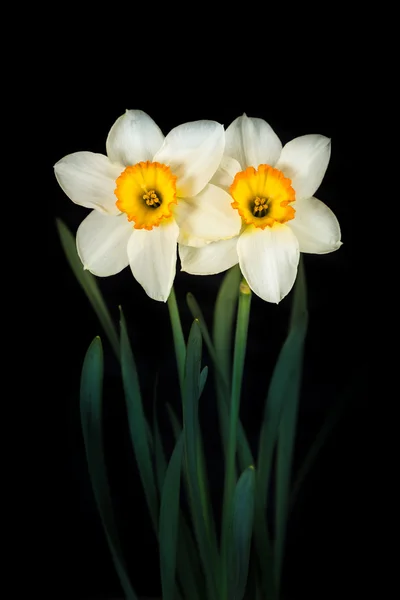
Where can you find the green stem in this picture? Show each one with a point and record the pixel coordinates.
(237, 376)
(179, 340)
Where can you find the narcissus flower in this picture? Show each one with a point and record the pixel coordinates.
(142, 193)
(272, 189)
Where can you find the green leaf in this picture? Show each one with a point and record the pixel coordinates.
(277, 397)
(299, 310)
(287, 426)
(281, 389)
(91, 418)
(179, 340)
(264, 550)
(176, 426)
(198, 316)
(230, 470)
(224, 315)
(203, 379)
(223, 397)
(138, 426)
(286, 366)
(223, 387)
(223, 323)
(189, 574)
(201, 522)
(253, 588)
(241, 532)
(177, 429)
(334, 415)
(88, 284)
(204, 495)
(160, 460)
(201, 466)
(168, 525)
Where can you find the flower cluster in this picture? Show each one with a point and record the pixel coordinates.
(221, 196)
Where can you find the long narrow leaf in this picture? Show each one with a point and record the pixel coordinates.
(331, 420)
(237, 376)
(88, 284)
(263, 545)
(208, 553)
(245, 455)
(223, 387)
(189, 568)
(287, 427)
(138, 425)
(198, 316)
(254, 588)
(204, 488)
(284, 371)
(159, 456)
(204, 495)
(203, 380)
(177, 429)
(299, 303)
(224, 315)
(177, 333)
(91, 419)
(175, 424)
(241, 533)
(278, 396)
(186, 562)
(201, 469)
(223, 322)
(223, 395)
(189, 574)
(169, 520)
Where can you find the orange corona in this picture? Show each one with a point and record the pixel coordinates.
(145, 193)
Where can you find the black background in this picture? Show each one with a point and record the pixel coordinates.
(325, 530)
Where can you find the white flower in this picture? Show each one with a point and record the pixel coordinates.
(141, 193)
(272, 188)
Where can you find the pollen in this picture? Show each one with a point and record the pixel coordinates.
(152, 199)
(260, 207)
(263, 196)
(145, 193)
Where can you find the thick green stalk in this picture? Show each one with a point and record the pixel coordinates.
(237, 376)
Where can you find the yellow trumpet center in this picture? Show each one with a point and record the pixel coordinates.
(262, 196)
(145, 193)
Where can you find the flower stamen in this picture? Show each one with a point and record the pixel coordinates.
(263, 196)
(152, 199)
(260, 205)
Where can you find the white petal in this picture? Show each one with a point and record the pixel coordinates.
(315, 226)
(194, 152)
(268, 259)
(152, 258)
(226, 172)
(134, 137)
(88, 179)
(210, 259)
(102, 241)
(305, 160)
(252, 142)
(207, 217)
